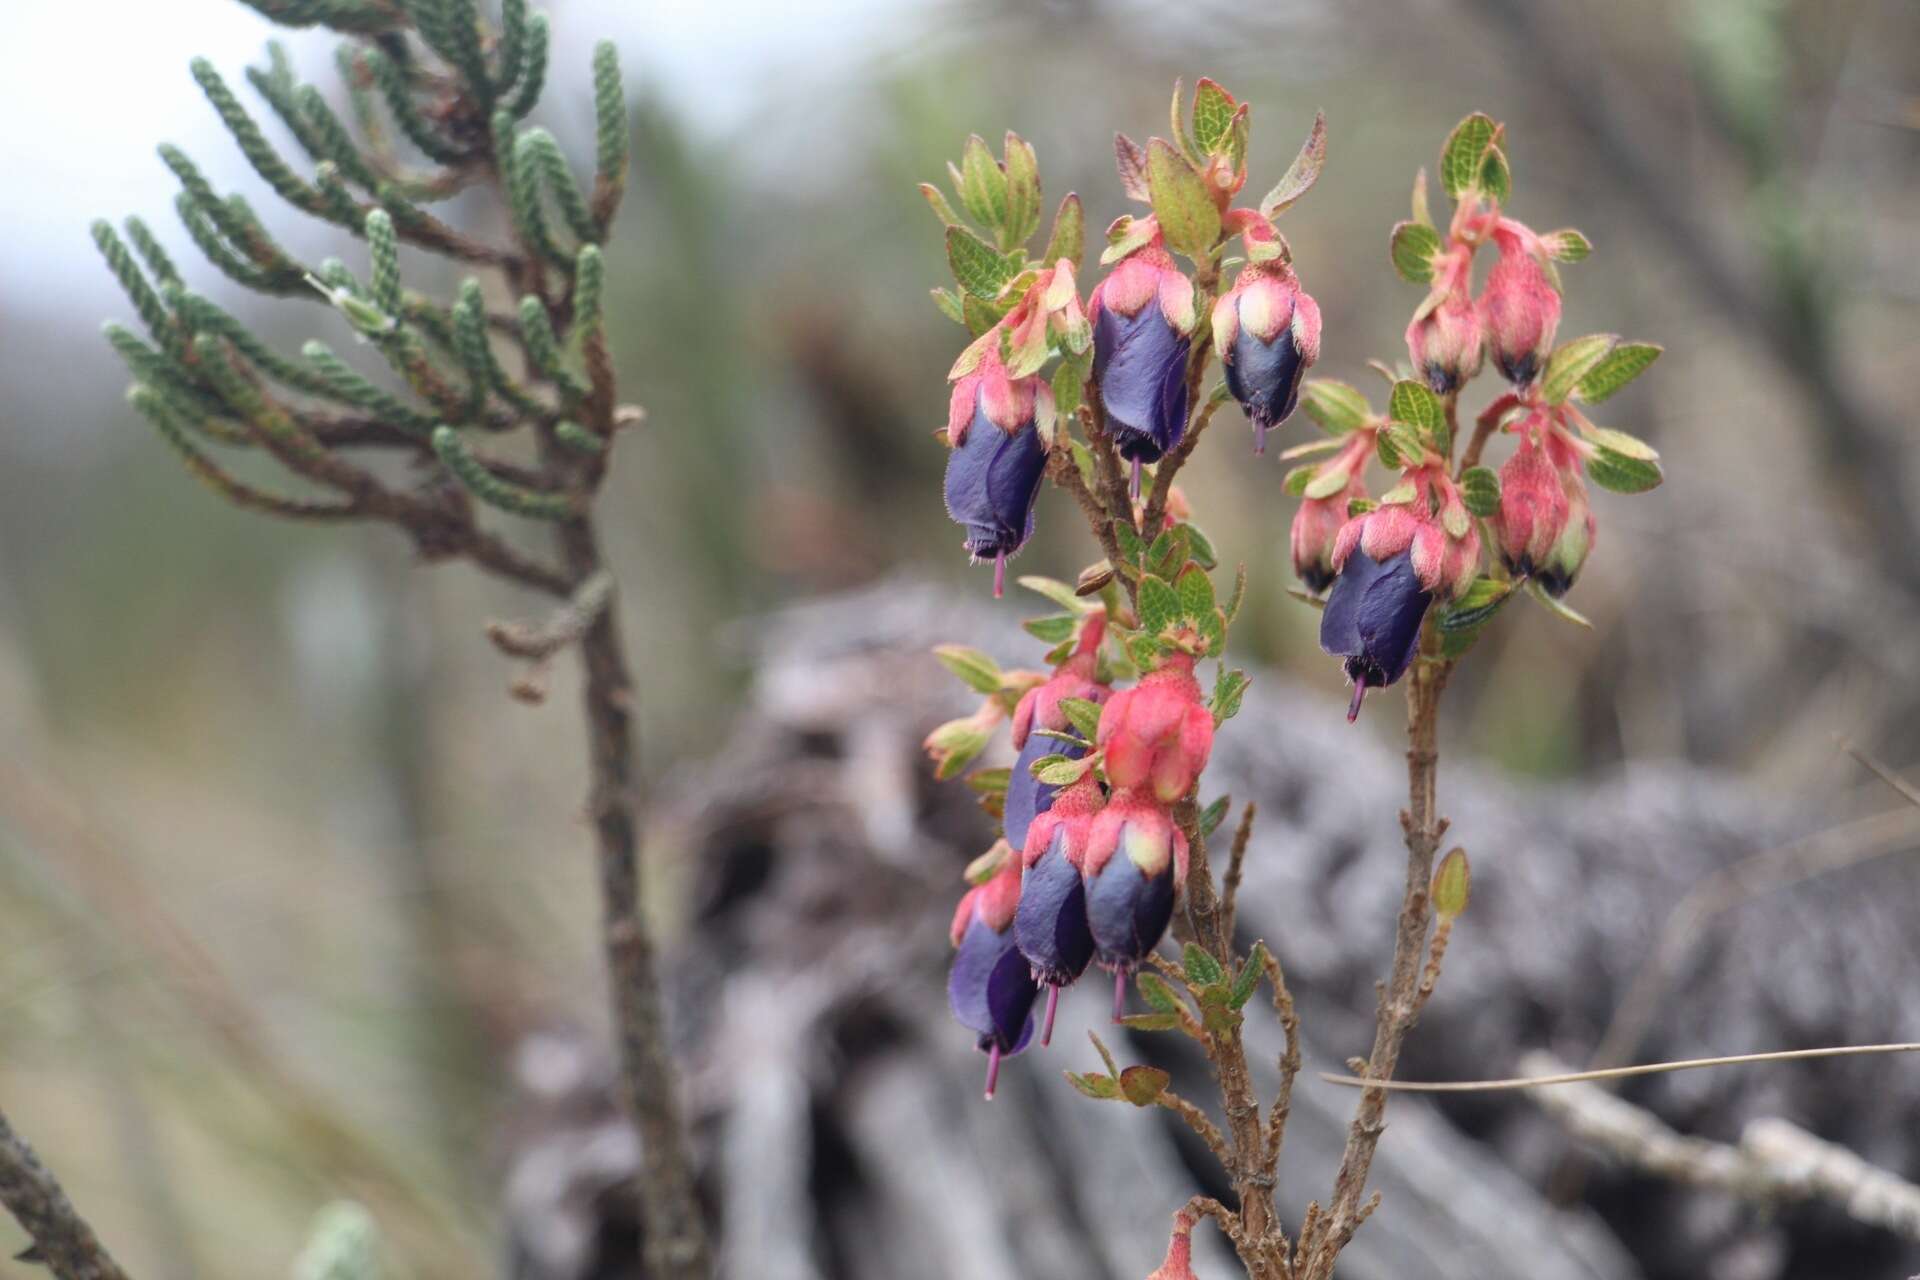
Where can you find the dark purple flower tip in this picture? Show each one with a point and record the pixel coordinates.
(1265, 378)
(1027, 796)
(1373, 618)
(1128, 911)
(991, 989)
(1140, 364)
(993, 479)
(1050, 924)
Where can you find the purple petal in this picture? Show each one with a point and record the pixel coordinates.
(1128, 911)
(1050, 924)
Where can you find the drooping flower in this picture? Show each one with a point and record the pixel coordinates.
(1039, 708)
(1533, 503)
(996, 426)
(1136, 862)
(1050, 924)
(990, 987)
(1143, 316)
(1519, 304)
(1561, 565)
(1393, 562)
(1445, 340)
(1315, 531)
(1267, 331)
(1158, 734)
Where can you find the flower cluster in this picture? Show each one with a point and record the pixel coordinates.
(1388, 567)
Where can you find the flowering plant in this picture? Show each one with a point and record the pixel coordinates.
(1105, 836)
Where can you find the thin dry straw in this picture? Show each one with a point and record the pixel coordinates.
(1613, 1073)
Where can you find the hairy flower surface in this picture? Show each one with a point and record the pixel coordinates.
(1533, 507)
(1446, 340)
(1158, 734)
(991, 987)
(998, 460)
(1267, 331)
(1519, 304)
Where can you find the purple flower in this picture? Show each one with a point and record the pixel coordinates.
(1136, 862)
(1039, 708)
(1050, 923)
(1267, 331)
(1027, 796)
(1373, 618)
(991, 988)
(998, 459)
(1142, 322)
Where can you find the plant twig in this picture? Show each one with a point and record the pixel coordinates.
(62, 1239)
(1236, 863)
(1614, 1073)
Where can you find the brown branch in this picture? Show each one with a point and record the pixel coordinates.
(1201, 1123)
(62, 1239)
(1483, 427)
(1289, 1063)
(1236, 863)
(1399, 1005)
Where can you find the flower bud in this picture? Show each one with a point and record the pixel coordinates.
(1179, 1261)
(1533, 506)
(1039, 708)
(1561, 565)
(1316, 528)
(1050, 923)
(990, 987)
(1136, 861)
(1520, 306)
(999, 459)
(1444, 342)
(1267, 331)
(1158, 734)
(1142, 317)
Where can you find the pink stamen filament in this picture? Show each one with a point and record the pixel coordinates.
(1359, 692)
(999, 574)
(993, 1070)
(1053, 1003)
(1119, 994)
(1136, 480)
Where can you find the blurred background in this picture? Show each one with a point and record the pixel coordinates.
(277, 854)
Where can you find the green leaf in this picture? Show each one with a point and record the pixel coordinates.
(1150, 1021)
(1496, 177)
(1023, 193)
(989, 781)
(1461, 156)
(1168, 554)
(1337, 406)
(1213, 815)
(1212, 115)
(1058, 592)
(1480, 490)
(1181, 203)
(1400, 495)
(1200, 547)
(1232, 607)
(1083, 715)
(938, 203)
(1621, 473)
(1141, 1085)
(1616, 369)
(979, 672)
(1621, 443)
(1566, 245)
(1412, 403)
(1106, 1055)
(1398, 446)
(1196, 594)
(982, 184)
(1558, 608)
(1326, 481)
(1247, 981)
(1570, 362)
(949, 303)
(1461, 622)
(1159, 605)
(1202, 969)
(1069, 235)
(1302, 173)
(1052, 629)
(1228, 690)
(1452, 885)
(979, 268)
(1155, 991)
(1060, 770)
(1094, 1085)
(1412, 248)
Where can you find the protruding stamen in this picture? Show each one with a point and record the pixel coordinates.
(1119, 994)
(1359, 692)
(993, 1070)
(1135, 494)
(1259, 438)
(1053, 1003)
(999, 574)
